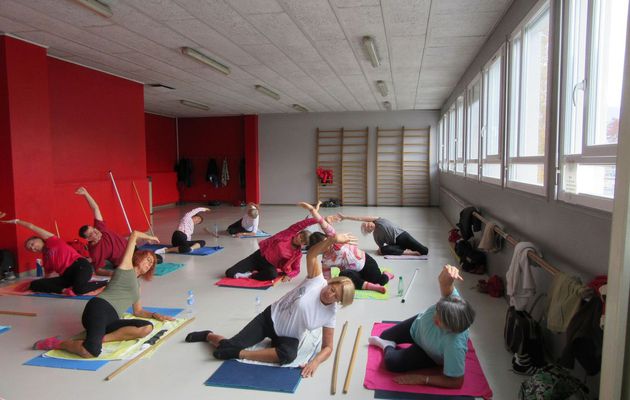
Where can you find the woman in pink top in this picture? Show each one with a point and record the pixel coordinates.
(279, 254)
(353, 262)
(74, 271)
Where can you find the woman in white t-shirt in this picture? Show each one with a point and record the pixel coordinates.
(248, 225)
(311, 305)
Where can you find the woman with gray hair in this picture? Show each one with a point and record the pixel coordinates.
(438, 337)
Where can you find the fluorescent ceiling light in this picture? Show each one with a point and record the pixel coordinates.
(370, 49)
(97, 6)
(192, 53)
(300, 108)
(387, 105)
(268, 92)
(194, 104)
(382, 87)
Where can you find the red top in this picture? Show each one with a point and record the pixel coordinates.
(111, 246)
(58, 255)
(280, 251)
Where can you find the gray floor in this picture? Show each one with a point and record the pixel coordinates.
(178, 369)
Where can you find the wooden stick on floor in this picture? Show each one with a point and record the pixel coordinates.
(352, 360)
(57, 229)
(333, 384)
(142, 207)
(215, 234)
(143, 352)
(22, 314)
(409, 287)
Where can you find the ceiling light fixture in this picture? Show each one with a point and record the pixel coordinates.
(387, 105)
(370, 49)
(202, 58)
(97, 6)
(299, 108)
(194, 104)
(382, 87)
(268, 92)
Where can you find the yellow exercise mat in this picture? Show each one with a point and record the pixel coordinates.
(365, 294)
(124, 349)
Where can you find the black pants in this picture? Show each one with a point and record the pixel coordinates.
(180, 240)
(256, 331)
(237, 227)
(404, 241)
(370, 273)
(254, 262)
(409, 359)
(100, 318)
(77, 276)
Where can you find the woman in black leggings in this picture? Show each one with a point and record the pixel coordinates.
(74, 271)
(102, 316)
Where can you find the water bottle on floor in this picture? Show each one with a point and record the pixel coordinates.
(189, 311)
(39, 270)
(401, 286)
(257, 305)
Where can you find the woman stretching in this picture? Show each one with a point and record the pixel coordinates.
(248, 225)
(353, 262)
(390, 239)
(438, 337)
(281, 253)
(311, 305)
(102, 316)
(182, 238)
(74, 271)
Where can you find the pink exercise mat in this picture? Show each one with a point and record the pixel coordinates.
(378, 378)
(247, 283)
(21, 289)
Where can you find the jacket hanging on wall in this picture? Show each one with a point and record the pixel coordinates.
(468, 223)
(225, 174)
(212, 173)
(184, 170)
(242, 173)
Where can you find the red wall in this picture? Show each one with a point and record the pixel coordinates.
(218, 137)
(161, 144)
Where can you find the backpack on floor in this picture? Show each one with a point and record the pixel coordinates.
(523, 335)
(552, 383)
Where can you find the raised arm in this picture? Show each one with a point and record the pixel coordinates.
(43, 233)
(361, 219)
(195, 211)
(447, 279)
(326, 227)
(127, 262)
(313, 265)
(92, 203)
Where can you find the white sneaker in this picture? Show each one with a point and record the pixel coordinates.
(160, 251)
(242, 275)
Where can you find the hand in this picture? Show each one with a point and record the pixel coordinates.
(309, 369)
(411, 379)
(341, 216)
(286, 278)
(161, 317)
(153, 239)
(238, 235)
(448, 275)
(81, 191)
(306, 206)
(206, 210)
(319, 203)
(331, 219)
(345, 238)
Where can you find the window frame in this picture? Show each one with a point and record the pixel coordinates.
(498, 158)
(451, 138)
(477, 81)
(460, 141)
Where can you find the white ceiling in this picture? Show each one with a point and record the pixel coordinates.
(309, 51)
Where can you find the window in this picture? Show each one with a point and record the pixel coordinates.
(442, 156)
(473, 120)
(451, 138)
(491, 127)
(592, 71)
(459, 136)
(527, 103)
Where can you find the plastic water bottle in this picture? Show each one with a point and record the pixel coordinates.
(189, 311)
(39, 268)
(401, 286)
(257, 305)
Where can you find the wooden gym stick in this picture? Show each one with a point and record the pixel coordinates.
(139, 356)
(142, 207)
(333, 384)
(22, 314)
(409, 287)
(352, 360)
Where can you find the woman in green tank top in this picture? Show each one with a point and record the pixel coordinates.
(102, 314)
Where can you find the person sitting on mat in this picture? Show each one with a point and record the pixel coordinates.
(280, 253)
(353, 262)
(248, 225)
(391, 239)
(311, 305)
(74, 271)
(182, 238)
(438, 337)
(103, 243)
(102, 315)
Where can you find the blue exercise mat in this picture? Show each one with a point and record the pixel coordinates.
(60, 296)
(258, 234)
(83, 365)
(234, 374)
(204, 251)
(388, 394)
(152, 247)
(170, 312)
(4, 328)
(166, 268)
